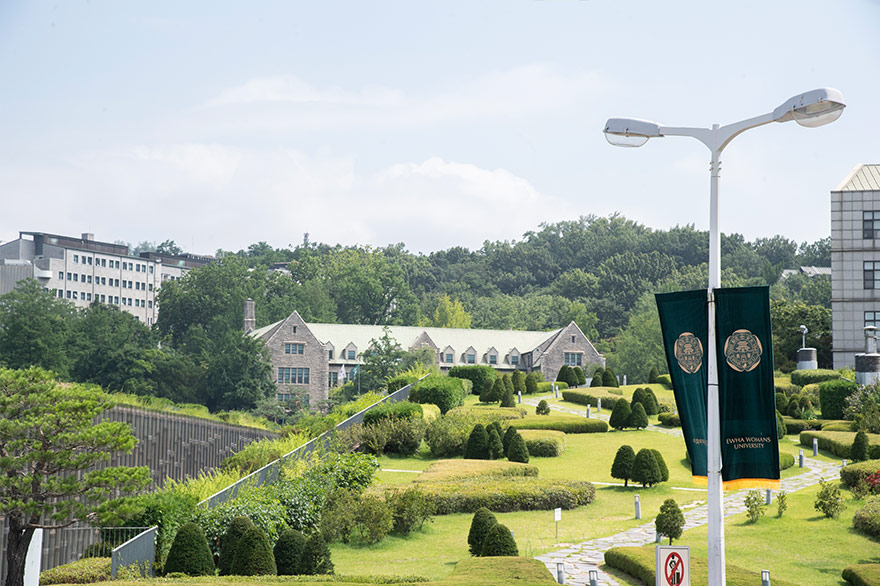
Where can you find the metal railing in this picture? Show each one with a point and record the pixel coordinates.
(136, 552)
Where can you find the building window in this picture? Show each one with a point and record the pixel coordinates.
(573, 358)
(75, 295)
(90, 278)
(514, 359)
(449, 358)
(68, 294)
(572, 339)
(150, 286)
(103, 298)
(75, 258)
(89, 259)
(870, 225)
(295, 376)
(150, 304)
(60, 276)
(329, 354)
(872, 318)
(151, 269)
(88, 296)
(103, 280)
(351, 355)
(83, 278)
(137, 268)
(103, 262)
(60, 293)
(471, 358)
(493, 359)
(872, 275)
(293, 348)
(332, 379)
(116, 300)
(68, 276)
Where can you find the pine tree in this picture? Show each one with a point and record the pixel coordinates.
(543, 408)
(638, 418)
(645, 468)
(620, 415)
(517, 450)
(670, 521)
(289, 551)
(859, 450)
(229, 542)
(499, 542)
(508, 435)
(481, 523)
(531, 383)
(497, 427)
(623, 464)
(477, 447)
(189, 553)
(661, 463)
(496, 448)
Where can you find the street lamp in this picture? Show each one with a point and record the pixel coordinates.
(811, 109)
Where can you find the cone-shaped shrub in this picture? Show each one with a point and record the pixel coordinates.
(481, 523)
(670, 521)
(288, 552)
(190, 553)
(581, 377)
(496, 448)
(638, 418)
(229, 542)
(620, 415)
(563, 374)
(645, 468)
(253, 555)
(638, 397)
(652, 405)
(531, 383)
(543, 408)
(780, 426)
(661, 463)
(517, 450)
(519, 382)
(507, 399)
(507, 381)
(477, 447)
(623, 464)
(497, 427)
(497, 391)
(499, 542)
(609, 379)
(597, 377)
(653, 374)
(859, 450)
(486, 392)
(316, 556)
(508, 435)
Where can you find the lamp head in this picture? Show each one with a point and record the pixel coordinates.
(813, 108)
(630, 132)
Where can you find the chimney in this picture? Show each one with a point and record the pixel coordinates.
(88, 236)
(250, 320)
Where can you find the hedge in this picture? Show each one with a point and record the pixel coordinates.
(591, 397)
(400, 409)
(490, 414)
(852, 474)
(84, 571)
(503, 495)
(786, 461)
(665, 380)
(444, 391)
(793, 426)
(544, 443)
(639, 563)
(669, 419)
(832, 397)
(867, 519)
(477, 374)
(563, 423)
(862, 574)
(443, 470)
(547, 387)
(840, 442)
(810, 377)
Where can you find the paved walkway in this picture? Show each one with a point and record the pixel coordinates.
(580, 558)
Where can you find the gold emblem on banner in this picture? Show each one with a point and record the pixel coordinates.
(689, 352)
(742, 350)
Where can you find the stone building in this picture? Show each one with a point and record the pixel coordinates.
(83, 270)
(310, 358)
(855, 262)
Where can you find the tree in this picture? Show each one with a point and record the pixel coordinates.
(488, 390)
(482, 521)
(543, 408)
(645, 468)
(661, 463)
(449, 314)
(229, 543)
(49, 443)
(638, 418)
(507, 399)
(169, 247)
(497, 391)
(531, 383)
(564, 374)
(519, 382)
(288, 552)
(253, 556)
(508, 437)
(34, 328)
(653, 374)
(670, 521)
(477, 447)
(620, 415)
(859, 450)
(622, 466)
(581, 377)
(596, 381)
(381, 361)
(316, 556)
(507, 381)
(496, 448)
(517, 451)
(609, 379)
(238, 374)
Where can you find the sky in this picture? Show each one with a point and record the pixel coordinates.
(431, 123)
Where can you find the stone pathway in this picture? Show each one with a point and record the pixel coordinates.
(580, 558)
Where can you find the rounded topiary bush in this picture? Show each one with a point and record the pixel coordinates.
(477, 447)
(661, 463)
(596, 381)
(508, 436)
(646, 470)
(638, 418)
(496, 448)
(253, 555)
(859, 450)
(190, 553)
(499, 542)
(288, 552)
(481, 523)
(620, 415)
(867, 519)
(543, 408)
(609, 379)
(517, 451)
(316, 556)
(653, 374)
(229, 543)
(622, 466)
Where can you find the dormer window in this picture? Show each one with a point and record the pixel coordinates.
(351, 354)
(493, 359)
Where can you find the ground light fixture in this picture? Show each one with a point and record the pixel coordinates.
(814, 108)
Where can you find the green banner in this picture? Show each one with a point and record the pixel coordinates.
(683, 320)
(749, 447)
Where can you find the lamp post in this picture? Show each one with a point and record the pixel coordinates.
(811, 109)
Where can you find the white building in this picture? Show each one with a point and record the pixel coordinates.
(84, 270)
(855, 261)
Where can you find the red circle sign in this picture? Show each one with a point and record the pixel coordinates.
(673, 569)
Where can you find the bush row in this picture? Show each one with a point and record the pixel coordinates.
(811, 377)
(84, 571)
(853, 474)
(505, 495)
(592, 397)
(563, 423)
(669, 419)
(443, 470)
(832, 397)
(547, 387)
(839, 443)
(786, 461)
(478, 374)
(862, 574)
(399, 410)
(488, 414)
(444, 391)
(544, 443)
(867, 519)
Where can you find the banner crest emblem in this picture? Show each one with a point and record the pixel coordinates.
(742, 350)
(689, 352)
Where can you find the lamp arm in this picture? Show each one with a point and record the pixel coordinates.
(718, 138)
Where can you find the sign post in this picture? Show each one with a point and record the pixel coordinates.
(673, 565)
(557, 516)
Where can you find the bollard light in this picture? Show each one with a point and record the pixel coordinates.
(658, 538)
(638, 508)
(844, 462)
(801, 458)
(588, 410)
(599, 405)
(765, 577)
(767, 500)
(519, 396)
(560, 575)
(594, 577)
(815, 447)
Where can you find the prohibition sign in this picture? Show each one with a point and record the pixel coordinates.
(673, 569)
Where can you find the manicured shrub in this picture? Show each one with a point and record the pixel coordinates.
(486, 393)
(867, 519)
(755, 506)
(854, 474)
(316, 556)
(507, 380)
(508, 436)
(829, 501)
(859, 450)
(507, 399)
(495, 447)
(653, 374)
(832, 397)
(531, 383)
(477, 374)
(506, 494)
(406, 435)
(497, 427)
(652, 405)
(519, 382)
(340, 515)
(622, 467)
(253, 555)
(517, 450)
(808, 377)
(665, 380)
(488, 413)
(544, 443)
(786, 461)
(499, 542)
(563, 374)
(638, 396)
(638, 418)
(373, 518)
(781, 402)
(563, 423)
(410, 510)
(396, 383)
(669, 419)
(189, 553)
(497, 391)
(609, 379)
(581, 377)
(609, 397)
(780, 426)
(670, 521)
(856, 575)
(546, 387)
(288, 552)
(481, 523)
(781, 503)
(620, 416)
(543, 408)
(229, 542)
(645, 468)
(664, 470)
(399, 410)
(596, 381)
(372, 438)
(459, 469)
(444, 391)
(477, 447)
(84, 571)
(840, 443)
